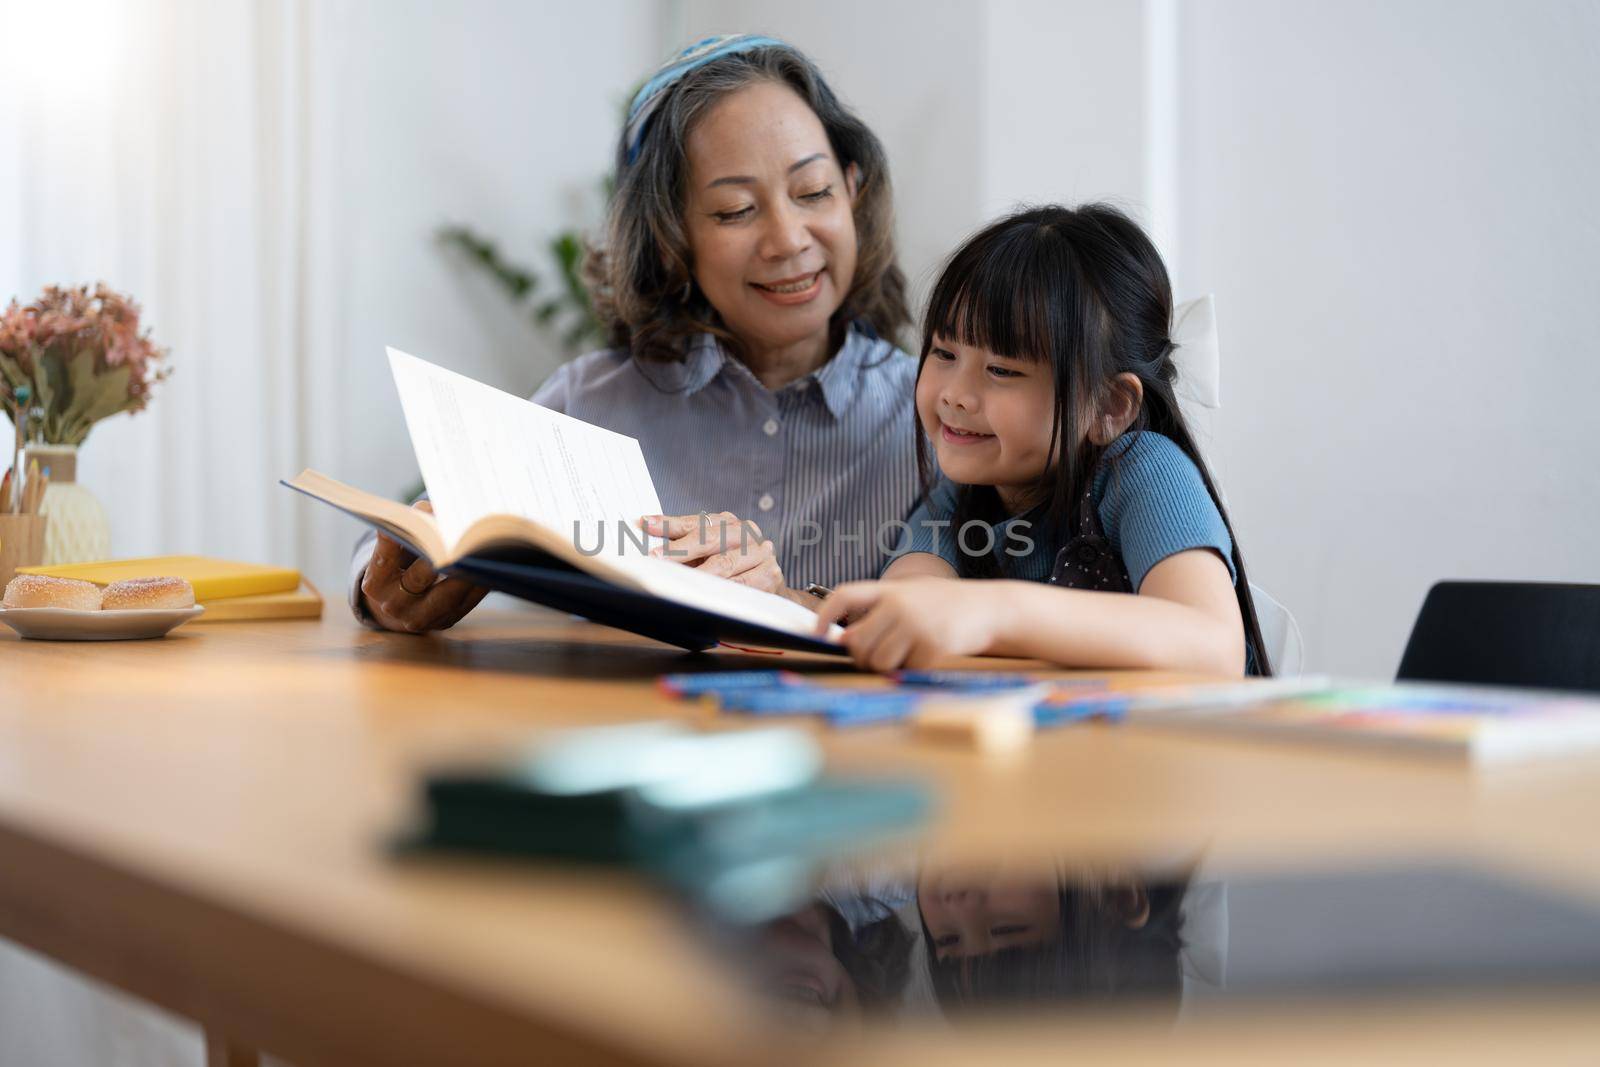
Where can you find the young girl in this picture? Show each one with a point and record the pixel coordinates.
(1004, 939)
(1068, 474)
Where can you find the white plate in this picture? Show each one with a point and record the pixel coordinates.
(66, 624)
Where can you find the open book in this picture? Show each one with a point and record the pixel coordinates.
(546, 507)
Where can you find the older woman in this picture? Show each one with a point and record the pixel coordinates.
(749, 283)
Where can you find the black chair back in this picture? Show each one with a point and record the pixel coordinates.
(1543, 635)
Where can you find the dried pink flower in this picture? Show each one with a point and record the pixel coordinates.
(41, 343)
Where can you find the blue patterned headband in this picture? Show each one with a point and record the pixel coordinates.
(650, 95)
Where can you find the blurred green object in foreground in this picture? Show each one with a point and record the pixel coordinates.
(739, 821)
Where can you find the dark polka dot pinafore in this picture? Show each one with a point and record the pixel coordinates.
(1088, 561)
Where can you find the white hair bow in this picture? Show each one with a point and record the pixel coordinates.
(1197, 357)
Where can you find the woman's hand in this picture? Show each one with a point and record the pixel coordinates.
(719, 544)
(913, 622)
(406, 594)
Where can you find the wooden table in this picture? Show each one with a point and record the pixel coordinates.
(201, 821)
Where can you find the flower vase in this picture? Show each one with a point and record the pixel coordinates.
(78, 530)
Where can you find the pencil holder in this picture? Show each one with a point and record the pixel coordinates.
(21, 543)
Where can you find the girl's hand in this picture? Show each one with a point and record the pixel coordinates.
(912, 622)
(405, 594)
(720, 544)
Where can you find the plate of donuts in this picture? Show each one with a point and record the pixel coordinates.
(65, 609)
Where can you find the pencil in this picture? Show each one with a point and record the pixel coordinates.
(30, 494)
(30, 502)
(19, 399)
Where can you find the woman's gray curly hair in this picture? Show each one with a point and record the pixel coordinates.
(640, 278)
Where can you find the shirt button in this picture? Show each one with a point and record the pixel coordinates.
(766, 502)
(771, 427)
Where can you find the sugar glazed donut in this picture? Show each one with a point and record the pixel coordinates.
(146, 593)
(39, 591)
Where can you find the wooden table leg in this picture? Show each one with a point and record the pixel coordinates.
(221, 1051)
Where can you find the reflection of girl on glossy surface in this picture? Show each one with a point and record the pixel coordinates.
(993, 939)
(798, 966)
(813, 962)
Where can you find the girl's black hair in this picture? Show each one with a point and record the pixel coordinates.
(1097, 958)
(877, 957)
(1085, 291)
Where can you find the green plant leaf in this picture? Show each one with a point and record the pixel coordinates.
(51, 379)
(11, 370)
(516, 280)
(44, 397)
(568, 251)
(91, 395)
(568, 309)
(566, 247)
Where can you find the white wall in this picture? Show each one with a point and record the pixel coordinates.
(1395, 204)
(481, 115)
(1066, 105)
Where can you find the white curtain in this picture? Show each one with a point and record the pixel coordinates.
(167, 148)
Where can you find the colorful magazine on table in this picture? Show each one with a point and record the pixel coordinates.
(1481, 724)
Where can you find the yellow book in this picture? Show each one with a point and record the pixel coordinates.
(213, 579)
(303, 603)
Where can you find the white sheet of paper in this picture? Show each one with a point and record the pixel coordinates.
(487, 452)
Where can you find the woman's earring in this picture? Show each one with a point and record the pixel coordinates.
(688, 291)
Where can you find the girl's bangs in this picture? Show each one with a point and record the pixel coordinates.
(993, 296)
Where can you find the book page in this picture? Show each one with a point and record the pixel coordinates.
(486, 452)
